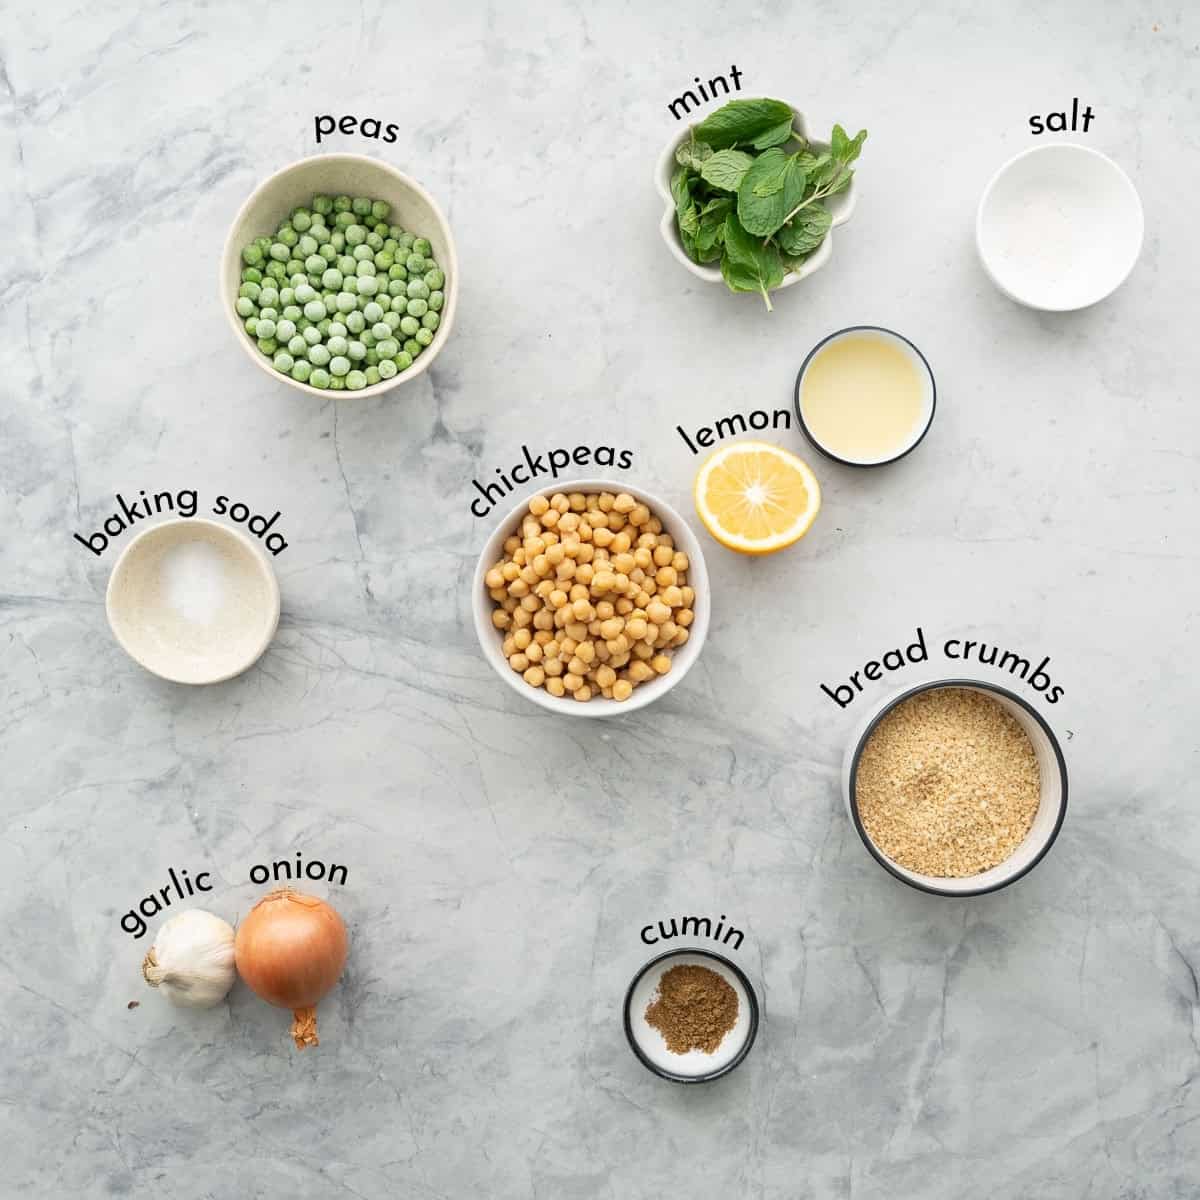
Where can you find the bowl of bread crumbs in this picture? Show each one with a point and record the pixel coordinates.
(956, 787)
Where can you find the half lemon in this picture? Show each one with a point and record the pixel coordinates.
(756, 498)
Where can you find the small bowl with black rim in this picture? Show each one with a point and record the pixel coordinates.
(1047, 821)
(920, 425)
(650, 1047)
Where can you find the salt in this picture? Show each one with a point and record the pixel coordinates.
(195, 581)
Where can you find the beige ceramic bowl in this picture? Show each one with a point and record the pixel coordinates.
(339, 174)
(193, 601)
(490, 638)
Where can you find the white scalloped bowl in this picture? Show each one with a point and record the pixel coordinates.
(841, 208)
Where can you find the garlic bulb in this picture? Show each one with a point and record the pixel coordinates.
(192, 959)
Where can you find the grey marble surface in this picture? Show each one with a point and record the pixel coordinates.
(1042, 1042)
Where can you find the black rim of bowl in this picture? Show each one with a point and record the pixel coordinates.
(878, 855)
(736, 1060)
(846, 462)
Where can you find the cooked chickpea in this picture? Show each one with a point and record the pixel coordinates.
(590, 595)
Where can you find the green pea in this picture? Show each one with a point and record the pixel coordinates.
(418, 289)
(350, 285)
(346, 303)
(328, 252)
(252, 255)
(329, 299)
(279, 252)
(322, 205)
(283, 361)
(301, 220)
(332, 279)
(397, 231)
(308, 245)
(250, 291)
(380, 210)
(268, 297)
(360, 206)
(301, 371)
(266, 327)
(343, 221)
(400, 303)
(339, 365)
(311, 335)
(287, 297)
(355, 235)
(297, 347)
(392, 320)
(285, 330)
(368, 286)
(396, 271)
(355, 381)
(409, 325)
(268, 345)
(269, 313)
(337, 383)
(323, 326)
(434, 279)
(314, 264)
(319, 355)
(424, 336)
(388, 348)
(417, 308)
(342, 204)
(276, 270)
(295, 266)
(288, 236)
(355, 322)
(245, 306)
(320, 235)
(336, 344)
(381, 330)
(412, 348)
(252, 275)
(415, 264)
(384, 261)
(422, 247)
(372, 358)
(365, 269)
(337, 329)
(374, 242)
(338, 241)
(293, 312)
(314, 310)
(356, 351)
(319, 378)
(304, 294)
(362, 253)
(431, 320)
(387, 369)
(436, 300)
(372, 374)
(251, 326)
(346, 264)
(404, 359)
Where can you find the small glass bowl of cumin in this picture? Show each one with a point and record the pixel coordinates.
(957, 787)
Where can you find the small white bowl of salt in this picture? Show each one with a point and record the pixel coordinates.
(193, 601)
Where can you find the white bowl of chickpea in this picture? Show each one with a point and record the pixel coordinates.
(592, 599)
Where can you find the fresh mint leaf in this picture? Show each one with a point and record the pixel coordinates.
(775, 136)
(711, 235)
(725, 169)
(772, 187)
(741, 121)
(846, 149)
(693, 153)
(685, 206)
(748, 264)
(805, 232)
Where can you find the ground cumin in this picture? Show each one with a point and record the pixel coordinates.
(948, 783)
(694, 1008)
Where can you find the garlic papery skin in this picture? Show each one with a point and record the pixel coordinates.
(191, 960)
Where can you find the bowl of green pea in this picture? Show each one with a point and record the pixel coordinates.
(339, 275)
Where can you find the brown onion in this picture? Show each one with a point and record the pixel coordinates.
(290, 950)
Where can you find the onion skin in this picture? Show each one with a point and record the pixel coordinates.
(291, 950)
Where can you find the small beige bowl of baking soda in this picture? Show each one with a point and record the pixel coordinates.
(193, 601)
